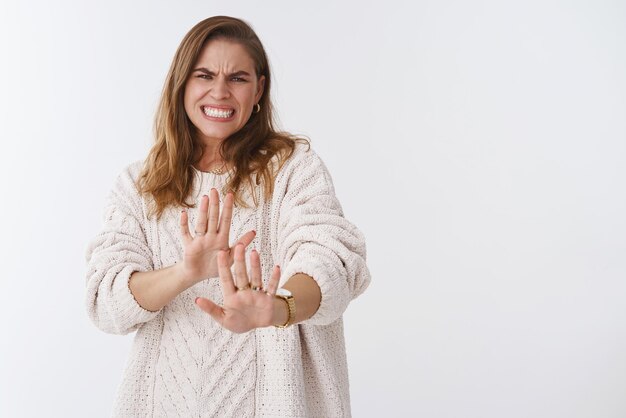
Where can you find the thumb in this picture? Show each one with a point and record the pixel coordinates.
(211, 308)
(246, 239)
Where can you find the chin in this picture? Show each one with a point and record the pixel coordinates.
(217, 135)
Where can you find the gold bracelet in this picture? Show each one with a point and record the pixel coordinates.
(286, 295)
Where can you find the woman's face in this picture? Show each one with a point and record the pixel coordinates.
(222, 90)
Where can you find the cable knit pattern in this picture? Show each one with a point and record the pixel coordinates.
(182, 362)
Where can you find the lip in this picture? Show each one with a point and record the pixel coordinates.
(222, 107)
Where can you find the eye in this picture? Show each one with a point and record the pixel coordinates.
(204, 76)
(238, 79)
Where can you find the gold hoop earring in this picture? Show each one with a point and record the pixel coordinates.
(257, 109)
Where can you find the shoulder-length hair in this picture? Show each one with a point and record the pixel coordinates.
(168, 173)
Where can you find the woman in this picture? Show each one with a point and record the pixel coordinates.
(262, 340)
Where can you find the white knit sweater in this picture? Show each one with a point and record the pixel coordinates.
(182, 362)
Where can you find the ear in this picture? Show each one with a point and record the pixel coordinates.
(260, 89)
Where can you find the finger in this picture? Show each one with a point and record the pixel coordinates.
(211, 308)
(227, 215)
(241, 274)
(201, 225)
(214, 211)
(255, 269)
(247, 238)
(184, 227)
(226, 278)
(272, 284)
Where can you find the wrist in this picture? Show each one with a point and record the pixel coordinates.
(182, 278)
(286, 297)
(281, 312)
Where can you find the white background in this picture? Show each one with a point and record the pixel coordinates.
(480, 146)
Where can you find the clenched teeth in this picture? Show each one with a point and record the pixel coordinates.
(218, 113)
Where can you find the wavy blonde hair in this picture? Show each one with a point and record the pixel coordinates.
(168, 174)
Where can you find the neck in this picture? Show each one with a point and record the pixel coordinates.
(210, 158)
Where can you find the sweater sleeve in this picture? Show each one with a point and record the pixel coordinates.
(113, 255)
(314, 238)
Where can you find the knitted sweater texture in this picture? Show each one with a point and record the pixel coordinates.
(182, 363)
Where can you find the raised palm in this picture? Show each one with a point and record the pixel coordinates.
(246, 304)
(211, 235)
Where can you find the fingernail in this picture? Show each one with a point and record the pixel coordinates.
(196, 301)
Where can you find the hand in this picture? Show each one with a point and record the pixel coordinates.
(211, 236)
(246, 304)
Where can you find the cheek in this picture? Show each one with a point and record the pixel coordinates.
(248, 97)
(188, 100)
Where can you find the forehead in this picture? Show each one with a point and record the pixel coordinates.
(225, 55)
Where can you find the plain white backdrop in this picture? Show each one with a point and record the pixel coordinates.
(480, 146)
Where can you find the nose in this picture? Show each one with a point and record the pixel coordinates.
(219, 89)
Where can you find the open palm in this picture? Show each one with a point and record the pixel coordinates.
(211, 235)
(246, 304)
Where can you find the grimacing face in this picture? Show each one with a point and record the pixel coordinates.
(221, 91)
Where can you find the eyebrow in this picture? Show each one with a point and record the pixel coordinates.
(211, 73)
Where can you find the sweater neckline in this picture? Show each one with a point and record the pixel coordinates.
(204, 181)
